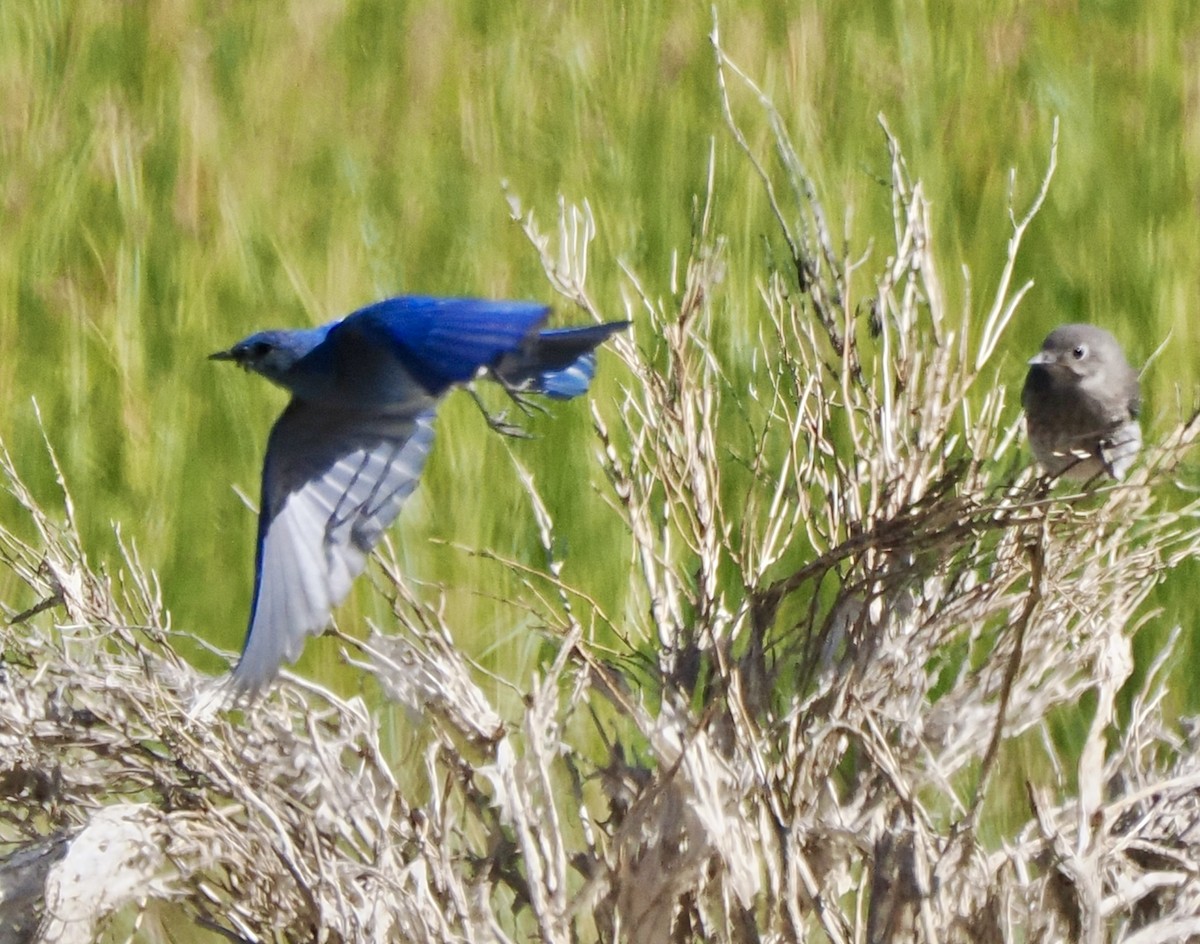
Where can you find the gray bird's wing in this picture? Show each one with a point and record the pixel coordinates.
(333, 480)
(1119, 449)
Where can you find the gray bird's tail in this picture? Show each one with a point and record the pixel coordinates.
(558, 363)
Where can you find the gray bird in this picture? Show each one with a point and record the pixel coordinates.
(1081, 404)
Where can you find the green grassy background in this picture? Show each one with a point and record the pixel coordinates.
(174, 175)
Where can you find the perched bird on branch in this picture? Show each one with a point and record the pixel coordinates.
(350, 445)
(1081, 402)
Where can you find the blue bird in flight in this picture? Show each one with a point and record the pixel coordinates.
(350, 445)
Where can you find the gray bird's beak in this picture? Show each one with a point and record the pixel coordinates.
(230, 356)
(1041, 357)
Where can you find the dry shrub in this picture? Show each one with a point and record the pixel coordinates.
(844, 607)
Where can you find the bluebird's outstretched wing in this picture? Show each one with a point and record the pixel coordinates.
(444, 341)
(441, 341)
(333, 480)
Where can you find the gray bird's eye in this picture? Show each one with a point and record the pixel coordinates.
(1079, 353)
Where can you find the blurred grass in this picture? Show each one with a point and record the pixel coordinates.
(175, 175)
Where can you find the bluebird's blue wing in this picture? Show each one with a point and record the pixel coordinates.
(333, 480)
(443, 341)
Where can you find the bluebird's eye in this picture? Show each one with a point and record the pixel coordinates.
(258, 350)
(1079, 353)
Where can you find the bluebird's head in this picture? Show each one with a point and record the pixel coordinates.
(270, 353)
